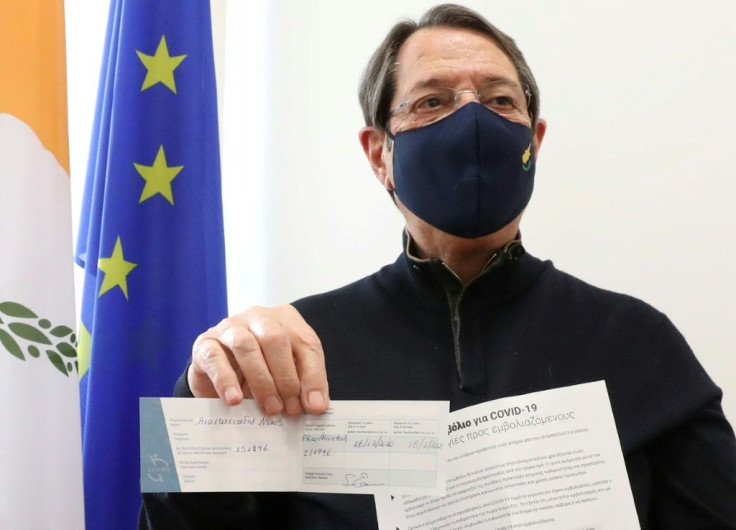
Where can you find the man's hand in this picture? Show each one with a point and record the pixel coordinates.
(270, 354)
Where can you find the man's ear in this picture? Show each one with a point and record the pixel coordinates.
(539, 131)
(373, 141)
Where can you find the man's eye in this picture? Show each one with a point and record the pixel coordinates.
(503, 102)
(429, 103)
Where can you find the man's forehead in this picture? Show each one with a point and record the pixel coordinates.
(438, 52)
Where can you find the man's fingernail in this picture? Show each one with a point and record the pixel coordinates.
(231, 394)
(293, 406)
(316, 399)
(272, 405)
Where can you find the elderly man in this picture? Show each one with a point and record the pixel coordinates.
(464, 314)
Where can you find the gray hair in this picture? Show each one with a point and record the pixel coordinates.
(378, 83)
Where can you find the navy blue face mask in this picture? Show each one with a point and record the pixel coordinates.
(469, 174)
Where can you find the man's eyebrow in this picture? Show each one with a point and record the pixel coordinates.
(500, 80)
(431, 82)
(434, 82)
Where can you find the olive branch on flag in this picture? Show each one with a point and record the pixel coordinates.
(21, 328)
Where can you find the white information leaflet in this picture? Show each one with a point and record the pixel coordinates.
(546, 460)
(355, 447)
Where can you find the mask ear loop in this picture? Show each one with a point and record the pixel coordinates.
(390, 142)
(390, 147)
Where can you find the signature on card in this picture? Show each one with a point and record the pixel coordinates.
(360, 481)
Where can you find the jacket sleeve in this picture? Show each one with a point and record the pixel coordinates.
(694, 473)
(194, 511)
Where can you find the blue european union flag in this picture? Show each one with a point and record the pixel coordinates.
(151, 236)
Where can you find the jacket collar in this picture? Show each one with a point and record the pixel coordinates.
(511, 252)
(430, 283)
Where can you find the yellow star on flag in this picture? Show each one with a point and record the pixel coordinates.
(160, 66)
(116, 270)
(158, 177)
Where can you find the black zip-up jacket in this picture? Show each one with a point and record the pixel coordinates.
(412, 331)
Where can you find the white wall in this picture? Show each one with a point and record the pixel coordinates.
(635, 188)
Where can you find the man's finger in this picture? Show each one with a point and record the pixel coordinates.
(211, 373)
(277, 351)
(309, 359)
(247, 353)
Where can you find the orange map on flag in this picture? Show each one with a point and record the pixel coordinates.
(33, 70)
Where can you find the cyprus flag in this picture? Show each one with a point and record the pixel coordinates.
(40, 448)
